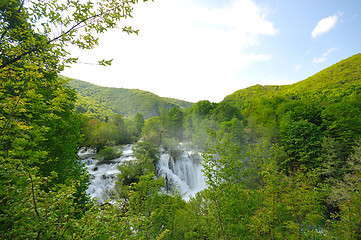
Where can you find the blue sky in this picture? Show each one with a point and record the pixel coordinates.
(206, 49)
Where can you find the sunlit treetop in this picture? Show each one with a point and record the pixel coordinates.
(31, 29)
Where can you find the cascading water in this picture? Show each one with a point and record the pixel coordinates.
(102, 177)
(182, 174)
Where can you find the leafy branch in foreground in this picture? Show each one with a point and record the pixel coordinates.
(44, 26)
(42, 193)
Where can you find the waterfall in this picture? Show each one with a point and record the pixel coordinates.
(103, 177)
(183, 173)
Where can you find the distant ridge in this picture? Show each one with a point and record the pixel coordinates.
(97, 101)
(343, 77)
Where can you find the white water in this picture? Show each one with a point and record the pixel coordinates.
(102, 177)
(183, 174)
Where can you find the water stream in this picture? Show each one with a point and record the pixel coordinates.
(102, 177)
(182, 174)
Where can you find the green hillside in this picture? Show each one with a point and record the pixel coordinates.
(335, 82)
(99, 101)
(317, 121)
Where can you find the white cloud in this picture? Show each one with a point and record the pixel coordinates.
(323, 58)
(298, 67)
(326, 24)
(243, 16)
(182, 51)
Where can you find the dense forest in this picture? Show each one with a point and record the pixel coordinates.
(280, 162)
(96, 101)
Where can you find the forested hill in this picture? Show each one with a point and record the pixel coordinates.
(96, 101)
(332, 83)
(317, 120)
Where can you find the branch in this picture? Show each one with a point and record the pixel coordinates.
(33, 196)
(6, 30)
(17, 58)
(38, 47)
(75, 26)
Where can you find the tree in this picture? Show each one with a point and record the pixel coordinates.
(139, 123)
(40, 175)
(130, 172)
(349, 224)
(174, 123)
(332, 163)
(341, 122)
(226, 112)
(236, 129)
(155, 211)
(30, 30)
(121, 130)
(153, 131)
(226, 173)
(301, 141)
(34, 37)
(290, 207)
(43, 186)
(194, 116)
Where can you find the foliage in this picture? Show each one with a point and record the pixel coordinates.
(28, 211)
(107, 154)
(349, 224)
(204, 115)
(235, 128)
(139, 123)
(171, 145)
(43, 186)
(291, 208)
(115, 131)
(302, 142)
(157, 210)
(146, 157)
(99, 102)
(173, 123)
(249, 197)
(309, 119)
(153, 131)
(45, 28)
(225, 112)
(222, 161)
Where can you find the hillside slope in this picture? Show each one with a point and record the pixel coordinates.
(316, 121)
(99, 101)
(334, 82)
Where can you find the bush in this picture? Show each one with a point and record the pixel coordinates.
(107, 154)
(172, 146)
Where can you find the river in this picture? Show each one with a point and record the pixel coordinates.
(183, 174)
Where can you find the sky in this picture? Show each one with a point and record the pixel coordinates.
(207, 49)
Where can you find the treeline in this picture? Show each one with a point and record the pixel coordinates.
(190, 125)
(98, 102)
(112, 131)
(174, 125)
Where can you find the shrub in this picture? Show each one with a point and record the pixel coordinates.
(107, 154)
